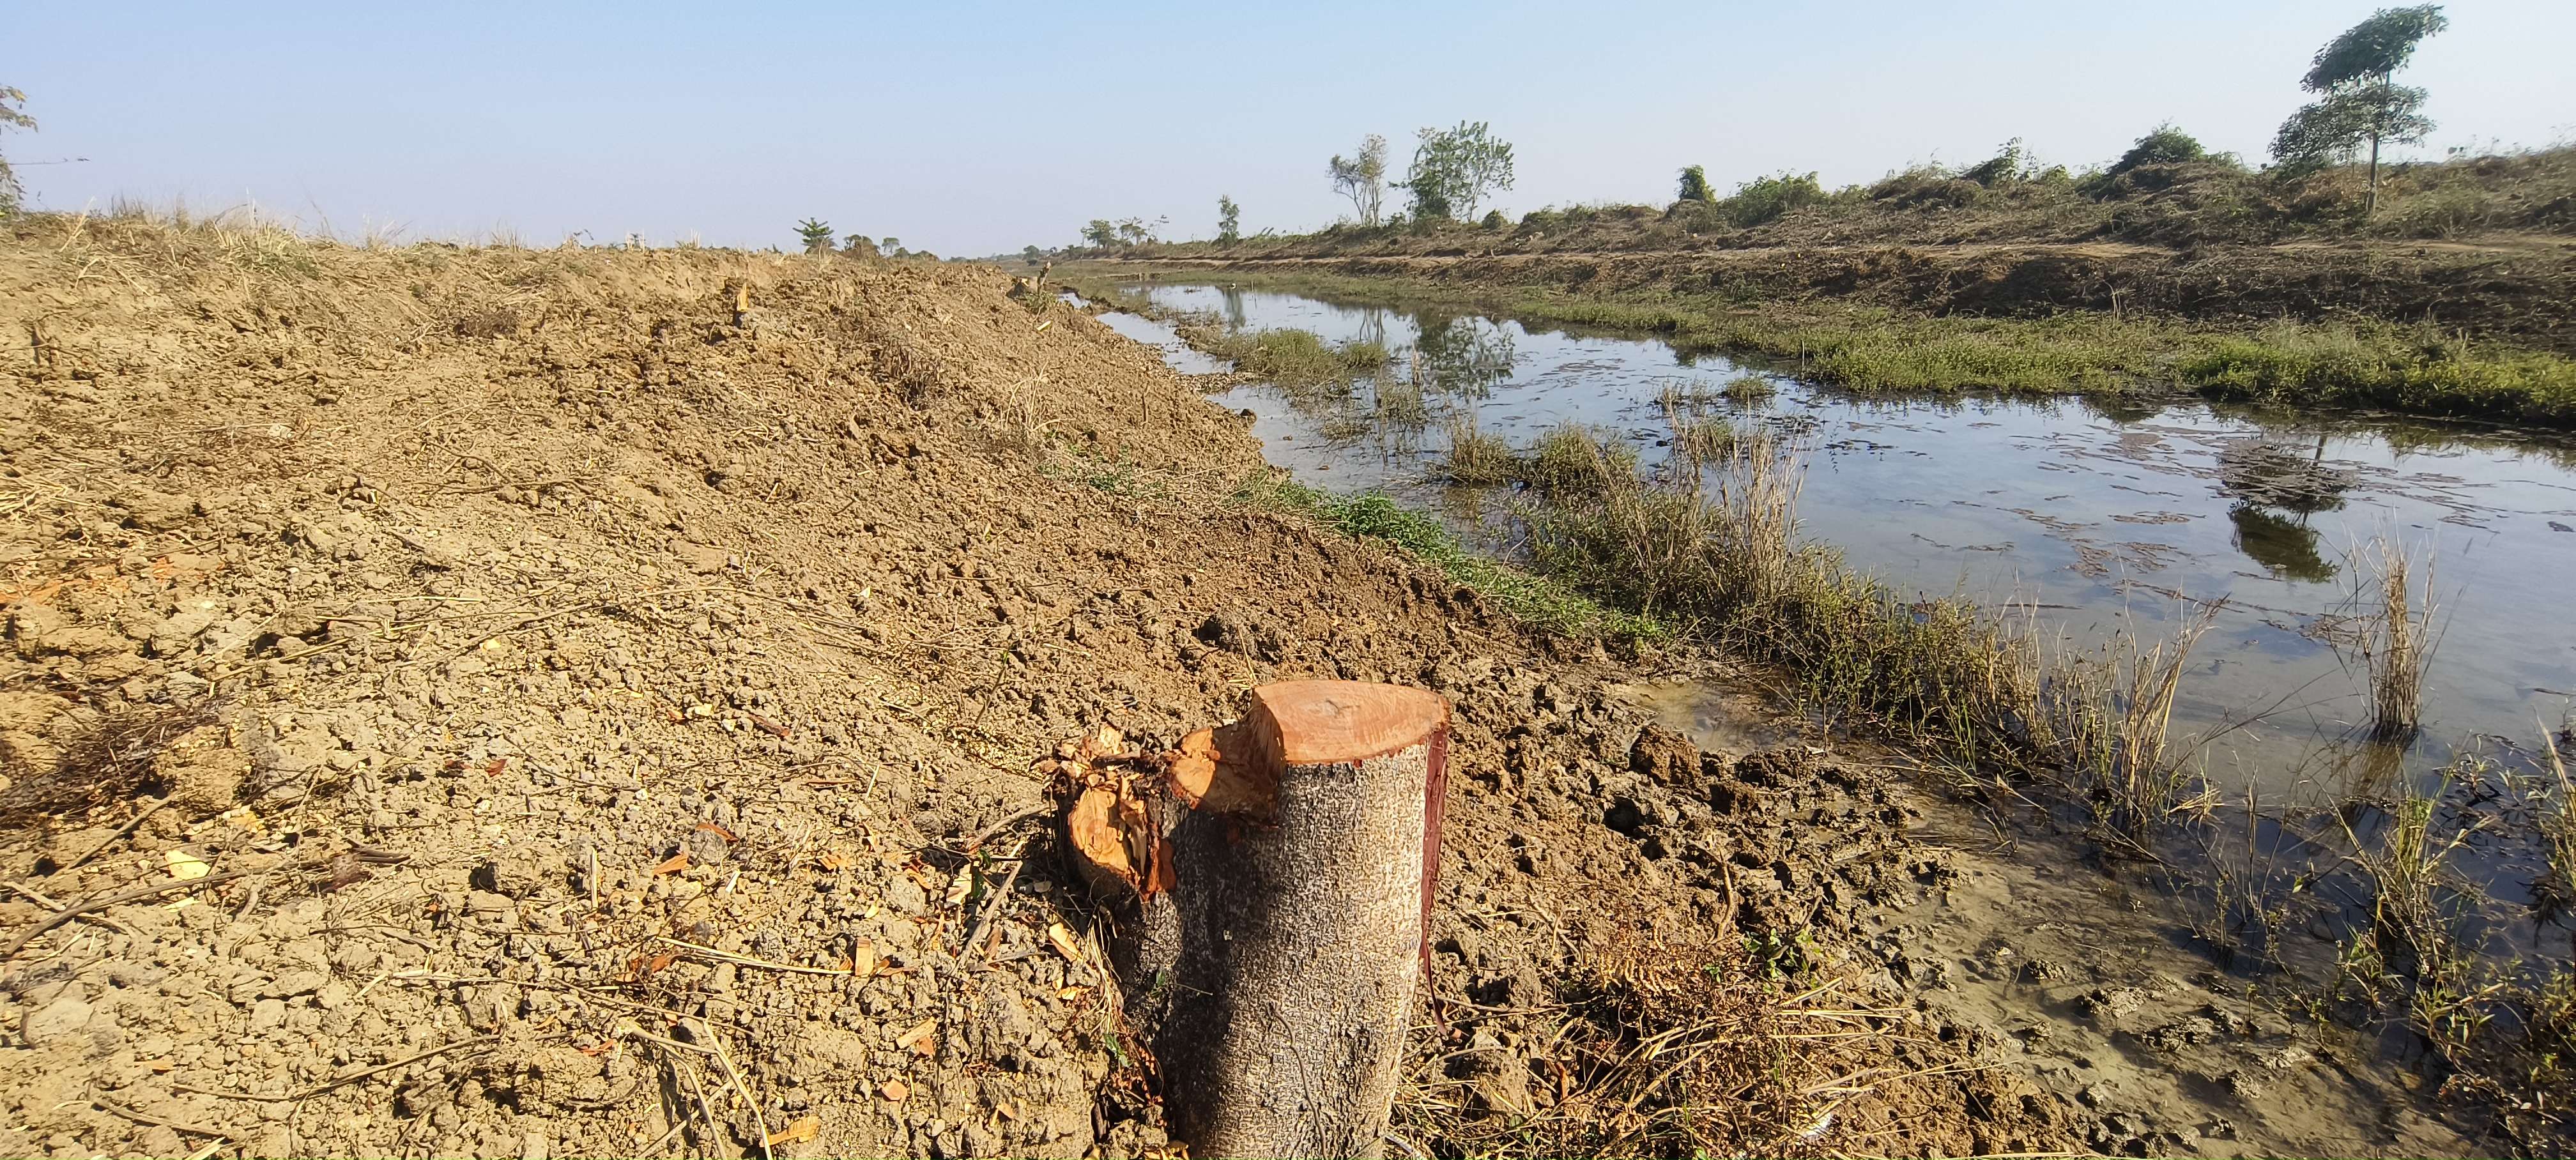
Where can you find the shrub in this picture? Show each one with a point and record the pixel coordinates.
(1767, 199)
(2165, 146)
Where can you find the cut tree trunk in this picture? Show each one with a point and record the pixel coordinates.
(1303, 880)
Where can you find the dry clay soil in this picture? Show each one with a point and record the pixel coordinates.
(606, 693)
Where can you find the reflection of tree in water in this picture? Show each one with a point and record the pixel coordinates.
(1235, 318)
(2259, 469)
(2286, 547)
(1464, 357)
(2263, 473)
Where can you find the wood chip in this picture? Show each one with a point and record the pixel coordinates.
(1062, 940)
(895, 1091)
(918, 1040)
(185, 866)
(797, 1133)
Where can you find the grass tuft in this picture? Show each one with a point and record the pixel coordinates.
(1544, 603)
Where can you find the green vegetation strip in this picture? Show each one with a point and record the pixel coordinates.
(1376, 518)
(2387, 366)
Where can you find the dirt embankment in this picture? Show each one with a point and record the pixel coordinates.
(603, 693)
(2512, 289)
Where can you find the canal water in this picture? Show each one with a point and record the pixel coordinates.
(2100, 515)
(2096, 515)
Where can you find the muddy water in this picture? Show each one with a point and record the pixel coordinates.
(2101, 516)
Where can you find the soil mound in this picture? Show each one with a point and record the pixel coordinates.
(507, 703)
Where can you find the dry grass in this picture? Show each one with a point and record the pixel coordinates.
(1676, 1048)
(2419, 905)
(2109, 721)
(108, 764)
(2387, 629)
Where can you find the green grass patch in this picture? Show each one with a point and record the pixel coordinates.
(2310, 366)
(1539, 601)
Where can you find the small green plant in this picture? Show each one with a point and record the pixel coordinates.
(817, 234)
(1749, 391)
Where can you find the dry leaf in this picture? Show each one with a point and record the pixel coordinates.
(496, 765)
(798, 1132)
(1062, 940)
(718, 831)
(159, 1064)
(918, 1040)
(1072, 994)
(834, 860)
(678, 862)
(895, 1091)
(185, 866)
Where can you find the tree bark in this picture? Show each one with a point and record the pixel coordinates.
(1302, 880)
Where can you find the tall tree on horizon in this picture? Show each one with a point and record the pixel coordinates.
(1455, 170)
(2355, 74)
(1362, 178)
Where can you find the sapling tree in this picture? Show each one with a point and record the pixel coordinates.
(1362, 178)
(1229, 219)
(818, 235)
(2361, 101)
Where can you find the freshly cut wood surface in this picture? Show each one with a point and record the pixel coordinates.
(1328, 722)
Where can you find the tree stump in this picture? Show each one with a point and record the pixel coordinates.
(1302, 877)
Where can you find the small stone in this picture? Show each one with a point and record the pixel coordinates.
(268, 1014)
(293, 983)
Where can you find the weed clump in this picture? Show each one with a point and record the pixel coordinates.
(1476, 458)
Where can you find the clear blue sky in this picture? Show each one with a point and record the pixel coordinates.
(974, 129)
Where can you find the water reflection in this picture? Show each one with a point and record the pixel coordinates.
(2262, 470)
(1465, 357)
(2287, 548)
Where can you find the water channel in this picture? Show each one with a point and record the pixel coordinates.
(2100, 514)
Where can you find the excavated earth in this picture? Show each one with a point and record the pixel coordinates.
(509, 703)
